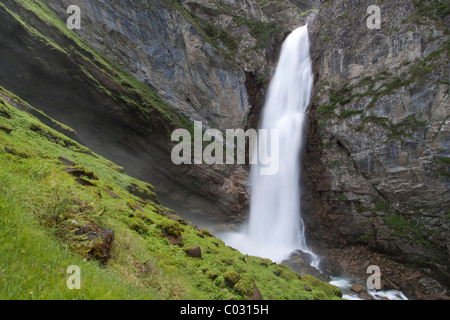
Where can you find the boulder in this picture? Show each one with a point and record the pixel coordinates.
(86, 237)
(231, 278)
(299, 263)
(194, 252)
(357, 288)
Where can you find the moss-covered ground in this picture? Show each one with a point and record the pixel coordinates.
(40, 199)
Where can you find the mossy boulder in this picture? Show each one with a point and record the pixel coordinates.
(211, 275)
(86, 237)
(79, 171)
(245, 285)
(284, 272)
(327, 289)
(193, 251)
(231, 278)
(171, 230)
(206, 232)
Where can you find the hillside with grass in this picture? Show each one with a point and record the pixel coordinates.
(63, 205)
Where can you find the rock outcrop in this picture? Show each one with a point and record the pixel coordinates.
(377, 156)
(194, 53)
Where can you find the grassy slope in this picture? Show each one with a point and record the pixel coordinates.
(38, 198)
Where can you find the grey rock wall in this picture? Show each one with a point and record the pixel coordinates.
(380, 126)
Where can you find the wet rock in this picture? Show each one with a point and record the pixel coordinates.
(299, 263)
(357, 288)
(372, 177)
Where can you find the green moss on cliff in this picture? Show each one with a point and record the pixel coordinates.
(435, 10)
(109, 78)
(405, 229)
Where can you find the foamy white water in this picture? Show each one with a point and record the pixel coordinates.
(345, 286)
(275, 227)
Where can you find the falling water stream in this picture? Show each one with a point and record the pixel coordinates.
(275, 228)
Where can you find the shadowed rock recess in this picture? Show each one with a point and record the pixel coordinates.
(376, 176)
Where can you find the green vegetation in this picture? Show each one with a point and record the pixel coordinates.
(215, 34)
(343, 96)
(409, 124)
(442, 172)
(44, 208)
(326, 109)
(328, 4)
(405, 229)
(261, 31)
(367, 237)
(349, 113)
(436, 11)
(361, 208)
(381, 205)
(444, 160)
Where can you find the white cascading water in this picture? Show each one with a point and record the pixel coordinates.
(275, 228)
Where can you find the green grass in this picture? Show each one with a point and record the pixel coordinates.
(33, 263)
(40, 202)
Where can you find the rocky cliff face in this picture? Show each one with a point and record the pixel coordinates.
(198, 61)
(209, 60)
(380, 128)
(195, 54)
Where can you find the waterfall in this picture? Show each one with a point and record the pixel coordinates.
(275, 228)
